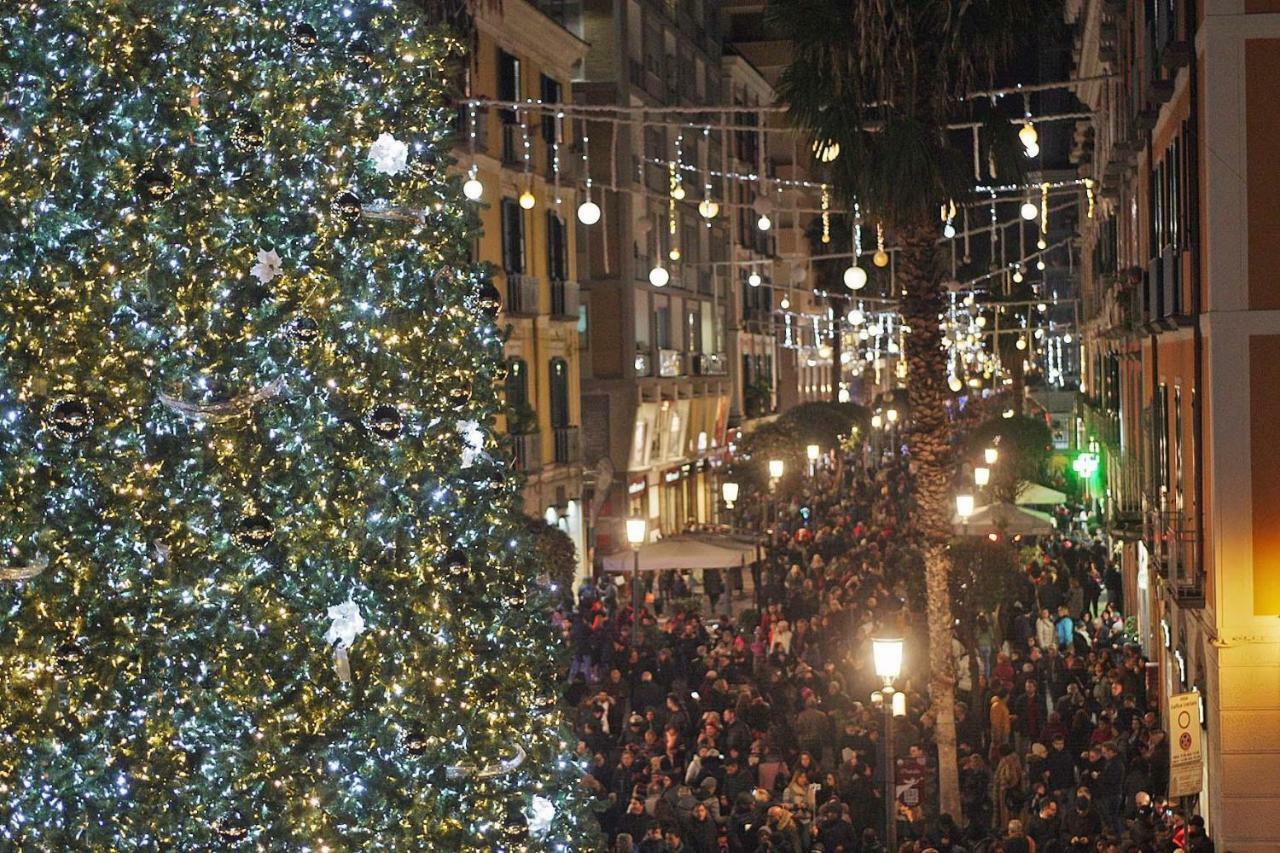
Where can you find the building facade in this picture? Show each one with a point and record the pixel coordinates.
(524, 162)
(1181, 363)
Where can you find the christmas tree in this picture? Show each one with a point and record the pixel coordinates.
(266, 587)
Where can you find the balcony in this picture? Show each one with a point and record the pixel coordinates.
(513, 138)
(1162, 301)
(1173, 540)
(568, 450)
(1124, 488)
(522, 295)
(564, 300)
(527, 451)
(670, 362)
(710, 364)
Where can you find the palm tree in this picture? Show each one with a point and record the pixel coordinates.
(884, 80)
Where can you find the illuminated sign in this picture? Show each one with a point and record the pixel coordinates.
(1086, 464)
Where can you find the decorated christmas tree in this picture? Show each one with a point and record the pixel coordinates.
(265, 584)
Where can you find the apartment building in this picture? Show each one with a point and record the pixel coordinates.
(1182, 363)
(524, 163)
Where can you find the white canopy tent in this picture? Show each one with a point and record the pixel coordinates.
(1034, 494)
(697, 551)
(1004, 518)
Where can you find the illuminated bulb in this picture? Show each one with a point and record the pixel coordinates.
(948, 231)
(1040, 244)
(588, 213)
(981, 321)
(785, 303)
(1066, 339)
(846, 357)
(674, 254)
(1039, 334)
(1028, 134)
(1040, 265)
(764, 223)
(843, 396)
(856, 317)
(1029, 210)
(708, 208)
(527, 201)
(1017, 275)
(754, 279)
(658, 277)
(473, 189)
(824, 351)
(1041, 307)
(827, 151)
(855, 277)
(678, 193)
(954, 382)
(880, 258)
(1021, 343)
(1032, 150)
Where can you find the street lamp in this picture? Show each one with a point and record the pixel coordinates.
(892, 416)
(813, 451)
(886, 653)
(776, 468)
(990, 455)
(875, 421)
(964, 509)
(637, 529)
(730, 491)
(981, 475)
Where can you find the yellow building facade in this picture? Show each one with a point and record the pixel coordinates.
(526, 165)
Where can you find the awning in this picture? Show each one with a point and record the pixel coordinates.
(1034, 494)
(1005, 518)
(697, 551)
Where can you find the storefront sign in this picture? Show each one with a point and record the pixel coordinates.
(1185, 758)
(671, 476)
(637, 486)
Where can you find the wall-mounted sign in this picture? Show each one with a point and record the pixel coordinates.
(1185, 757)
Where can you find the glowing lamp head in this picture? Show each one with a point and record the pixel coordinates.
(637, 528)
(954, 383)
(658, 276)
(1032, 150)
(754, 279)
(678, 193)
(891, 415)
(964, 505)
(764, 223)
(473, 189)
(855, 277)
(785, 303)
(990, 455)
(876, 421)
(981, 475)
(886, 653)
(1028, 134)
(813, 451)
(1029, 210)
(776, 469)
(527, 201)
(588, 212)
(948, 231)
(880, 258)
(708, 209)
(730, 491)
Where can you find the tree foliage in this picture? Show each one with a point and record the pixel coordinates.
(1025, 445)
(788, 436)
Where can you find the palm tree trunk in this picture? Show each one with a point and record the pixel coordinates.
(920, 272)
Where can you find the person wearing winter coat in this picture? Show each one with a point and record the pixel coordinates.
(1045, 634)
(700, 833)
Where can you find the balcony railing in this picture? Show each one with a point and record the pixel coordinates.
(567, 445)
(522, 294)
(1174, 541)
(564, 299)
(1124, 484)
(527, 451)
(670, 362)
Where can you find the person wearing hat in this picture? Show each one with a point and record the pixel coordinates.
(1198, 841)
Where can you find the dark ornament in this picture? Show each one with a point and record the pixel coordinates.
(304, 37)
(456, 563)
(254, 531)
(230, 830)
(303, 330)
(68, 656)
(154, 185)
(459, 391)
(515, 826)
(360, 53)
(490, 300)
(385, 421)
(70, 418)
(415, 741)
(348, 206)
(247, 135)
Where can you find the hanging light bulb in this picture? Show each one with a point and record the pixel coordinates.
(764, 223)
(1029, 210)
(981, 321)
(1028, 134)
(678, 192)
(472, 188)
(824, 351)
(1032, 150)
(708, 209)
(588, 212)
(1040, 264)
(856, 317)
(954, 383)
(1066, 339)
(527, 201)
(674, 254)
(948, 231)
(1020, 343)
(754, 279)
(880, 258)
(855, 277)
(1040, 244)
(658, 276)
(785, 303)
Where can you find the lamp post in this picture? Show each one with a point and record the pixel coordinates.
(776, 469)
(813, 451)
(886, 652)
(637, 528)
(981, 476)
(964, 509)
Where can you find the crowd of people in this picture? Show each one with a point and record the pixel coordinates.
(754, 730)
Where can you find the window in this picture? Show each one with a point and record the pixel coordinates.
(552, 93)
(557, 248)
(509, 84)
(662, 324)
(642, 319)
(517, 384)
(512, 237)
(559, 393)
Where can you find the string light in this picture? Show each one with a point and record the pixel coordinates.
(881, 257)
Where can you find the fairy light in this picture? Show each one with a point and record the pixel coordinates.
(826, 215)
